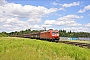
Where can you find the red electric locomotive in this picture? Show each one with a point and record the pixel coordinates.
(52, 35)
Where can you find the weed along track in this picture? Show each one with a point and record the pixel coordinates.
(76, 44)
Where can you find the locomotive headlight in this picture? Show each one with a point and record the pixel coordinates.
(57, 34)
(53, 35)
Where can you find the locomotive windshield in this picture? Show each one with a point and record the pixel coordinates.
(54, 32)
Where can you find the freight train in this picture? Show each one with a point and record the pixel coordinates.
(50, 35)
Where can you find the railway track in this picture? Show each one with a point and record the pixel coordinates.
(83, 45)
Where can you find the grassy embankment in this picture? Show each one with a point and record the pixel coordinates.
(28, 49)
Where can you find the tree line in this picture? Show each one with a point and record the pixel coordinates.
(62, 33)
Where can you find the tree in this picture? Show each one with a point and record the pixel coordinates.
(3, 34)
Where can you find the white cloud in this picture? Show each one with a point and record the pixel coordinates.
(26, 10)
(14, 24)
(70, 17)
(34, 20)
(12, 15)
(47, 26)
(74, 24)
(54, 3)
(84, 9)
(73, 16)
(33, 13)
(36, 27)
(77, 29)
(81, 11)
(61, 9)
(65, 21)
(44, 25)
(68, 23)
(2, 2)
(71, 4)
(87, 25)
(49, 22)
(69, 20)
(66, 5)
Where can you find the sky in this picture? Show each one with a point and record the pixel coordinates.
(16, 15)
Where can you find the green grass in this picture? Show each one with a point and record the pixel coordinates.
(31, 49)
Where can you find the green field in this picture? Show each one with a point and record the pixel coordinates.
(12, 48)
